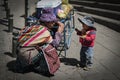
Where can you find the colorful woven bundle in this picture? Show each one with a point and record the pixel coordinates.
(31, 36)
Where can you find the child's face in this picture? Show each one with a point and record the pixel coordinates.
(85, 26)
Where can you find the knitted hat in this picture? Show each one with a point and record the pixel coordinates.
(48, 15)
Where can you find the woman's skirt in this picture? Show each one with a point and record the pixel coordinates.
(44, 60)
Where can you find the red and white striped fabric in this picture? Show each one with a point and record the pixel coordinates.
(36, 34)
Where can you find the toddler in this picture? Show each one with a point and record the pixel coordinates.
(87, 39)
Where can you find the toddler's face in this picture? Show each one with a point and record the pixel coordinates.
(85, 27)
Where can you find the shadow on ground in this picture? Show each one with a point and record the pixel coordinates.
(12, 67)
(6, 23)
(9, 54)
(69, 61)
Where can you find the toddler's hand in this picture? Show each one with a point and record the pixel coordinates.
(84, 36)
(83, 32)
(78, 31)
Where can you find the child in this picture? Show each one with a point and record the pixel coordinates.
(87, 39)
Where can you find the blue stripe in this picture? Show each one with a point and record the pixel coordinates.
(92, 32)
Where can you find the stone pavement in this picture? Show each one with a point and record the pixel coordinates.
(106, 57)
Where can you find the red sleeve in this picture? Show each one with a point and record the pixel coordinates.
(90, 36)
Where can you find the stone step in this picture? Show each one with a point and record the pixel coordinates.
(98, 11)
(111, 23)
(109, 6)
(106, 1)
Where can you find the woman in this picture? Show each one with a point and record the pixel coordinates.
(39, 48)
(49, 20)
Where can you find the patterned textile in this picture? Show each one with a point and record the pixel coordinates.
(28, 55)
(33, 35)
(49, 60)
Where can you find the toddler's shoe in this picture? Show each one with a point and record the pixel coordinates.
(90, 67)
(86, 68)
(77, 65)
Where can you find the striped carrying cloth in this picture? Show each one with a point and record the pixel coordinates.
(37, 34)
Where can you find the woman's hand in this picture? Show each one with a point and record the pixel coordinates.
(61, 27)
